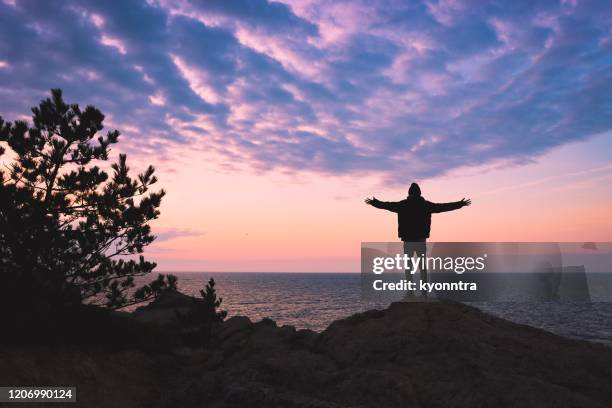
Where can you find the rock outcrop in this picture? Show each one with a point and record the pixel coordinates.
(430, 354)
(164, 309)
(409, 355)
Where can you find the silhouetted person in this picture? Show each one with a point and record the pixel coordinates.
(414, 220)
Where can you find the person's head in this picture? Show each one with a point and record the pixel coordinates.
(414, 190)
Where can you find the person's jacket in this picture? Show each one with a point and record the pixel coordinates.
(414, 215)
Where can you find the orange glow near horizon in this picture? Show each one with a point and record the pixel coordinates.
(241, 220)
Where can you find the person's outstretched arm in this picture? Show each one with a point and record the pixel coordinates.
(383, 205)
(442, 207)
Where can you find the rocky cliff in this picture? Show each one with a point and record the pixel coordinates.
(409, 355)
(432, 354)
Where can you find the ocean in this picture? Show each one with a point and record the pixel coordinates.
(314, 300)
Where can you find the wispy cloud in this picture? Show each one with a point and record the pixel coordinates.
(168, 234)
(113, 43)
(407, 89)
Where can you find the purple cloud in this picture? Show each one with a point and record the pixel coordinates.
(405, 89)
(169, 234)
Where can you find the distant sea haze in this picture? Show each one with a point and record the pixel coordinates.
(314, 300)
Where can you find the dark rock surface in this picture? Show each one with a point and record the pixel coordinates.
(409, 355)
(163, 309)
(431, 354)
(102, 378)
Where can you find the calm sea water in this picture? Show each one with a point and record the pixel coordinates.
(314, 300)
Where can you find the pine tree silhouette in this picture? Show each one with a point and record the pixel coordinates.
(198, 323)
(72, 232)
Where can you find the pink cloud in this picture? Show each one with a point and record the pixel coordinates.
(198, 80)
(113, 42)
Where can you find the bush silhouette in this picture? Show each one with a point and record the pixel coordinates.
(72, 228)
(197, 324)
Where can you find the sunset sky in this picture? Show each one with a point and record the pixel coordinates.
(270, 122)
